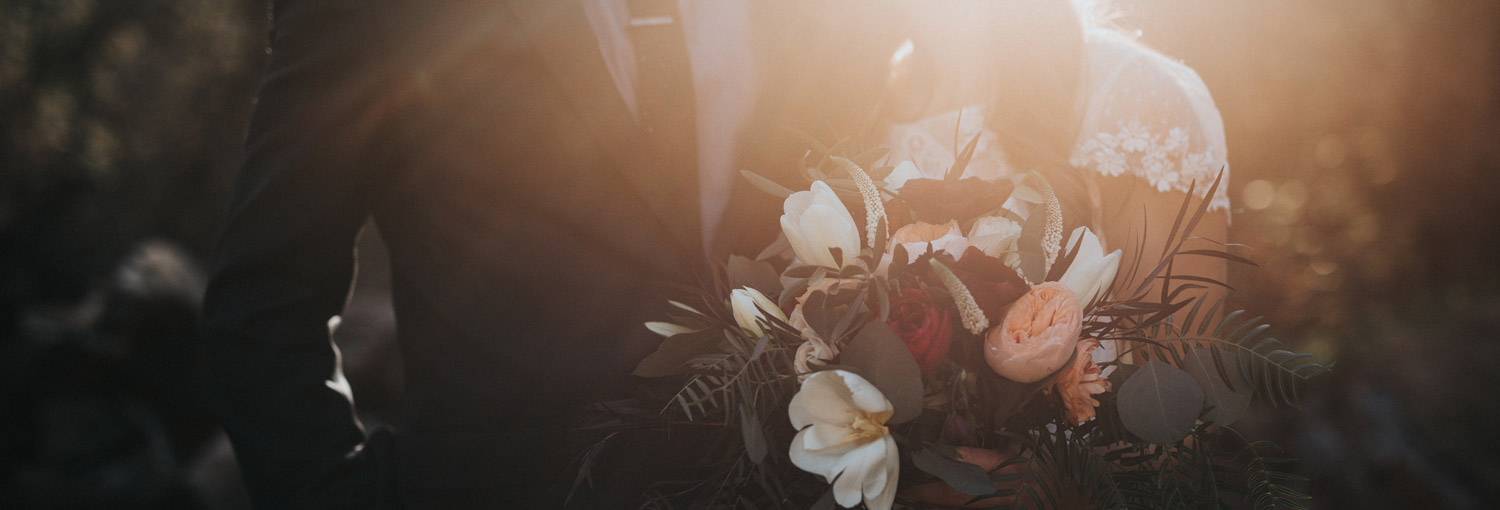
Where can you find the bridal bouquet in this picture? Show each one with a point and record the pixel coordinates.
(912, 342)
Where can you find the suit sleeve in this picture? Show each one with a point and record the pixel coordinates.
(285, 259)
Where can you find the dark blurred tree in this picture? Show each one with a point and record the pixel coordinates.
(118, 121)
(1363, 140)
(1364, 137)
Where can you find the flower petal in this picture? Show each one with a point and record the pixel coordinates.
(822, 436)
(823, 463)
(863, 395)
(824, 398)
(766, 304)
(857, 467)
(903, 172)
(886, 496)
(667, 329)
(828, 227)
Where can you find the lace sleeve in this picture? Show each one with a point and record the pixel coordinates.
(1151, 117)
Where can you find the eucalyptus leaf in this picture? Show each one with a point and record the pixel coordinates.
(744, 272)
(883, 359)
(967, 478)
(819, 314)
(1011, 396)
(674, 352)
(826, 502)
(1226, 391)
(1160, 403)
(766, 185)
(1033, 256)
(754, 434)
(778, 247)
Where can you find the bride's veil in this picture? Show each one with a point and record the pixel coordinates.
(1147, 115)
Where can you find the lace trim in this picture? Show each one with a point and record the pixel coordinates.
(1165, 162)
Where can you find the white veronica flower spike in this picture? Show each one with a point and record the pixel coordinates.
(1092, 271)
(842, 437)
(815, 221)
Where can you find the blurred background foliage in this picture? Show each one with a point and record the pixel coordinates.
(1364, 138)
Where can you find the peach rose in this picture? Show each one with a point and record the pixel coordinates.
(1080, 382)
(1037, 336)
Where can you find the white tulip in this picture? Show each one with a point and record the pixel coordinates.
(903, 172)
(842, 437)
(997, 236)
(1092, 271)
(750, 307)
(817, 220)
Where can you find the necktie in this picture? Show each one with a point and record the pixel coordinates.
(664, 99)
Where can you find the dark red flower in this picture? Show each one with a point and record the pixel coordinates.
(926, 328)
(994, 285)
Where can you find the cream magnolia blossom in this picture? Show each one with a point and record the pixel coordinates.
(1092, 271)
(814, 221)
(750, 307)
(842, 437)
(904, 171)
(999, 237)
(942, 237)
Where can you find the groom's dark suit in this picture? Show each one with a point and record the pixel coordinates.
(527, 218)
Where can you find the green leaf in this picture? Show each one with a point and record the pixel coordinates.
(755, 436)
(826, 502)
(766, 185)
(967, 478)
(672, 355)
(1160, 403)
(1226, 391)
(1031, 249)
(1010, 396)
(882, 358)
(757, 275)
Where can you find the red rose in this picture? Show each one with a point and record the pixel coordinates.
(926, 328)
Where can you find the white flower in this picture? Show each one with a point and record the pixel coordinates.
(903, 172)
(1092, 271)
(815, 221)
(842, 437)
(942, 237)
(750, 307)
(813, 351)
(997, 236)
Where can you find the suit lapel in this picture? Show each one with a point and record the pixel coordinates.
(560, 33)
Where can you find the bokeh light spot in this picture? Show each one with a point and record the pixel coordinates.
(1258, 194)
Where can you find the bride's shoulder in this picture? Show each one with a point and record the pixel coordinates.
(1148, 115)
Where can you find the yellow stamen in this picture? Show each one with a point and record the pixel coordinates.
(867, 427)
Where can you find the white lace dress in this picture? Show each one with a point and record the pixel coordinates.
(1146, 115)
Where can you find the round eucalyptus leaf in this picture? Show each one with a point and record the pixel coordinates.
(1160, 403)
(877, 354)
(1226, 391)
